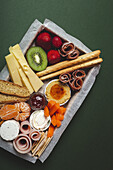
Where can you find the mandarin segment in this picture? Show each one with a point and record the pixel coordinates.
(8, 112)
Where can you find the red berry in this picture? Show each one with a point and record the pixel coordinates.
(53, 56)
(44, 40)
(57, 42)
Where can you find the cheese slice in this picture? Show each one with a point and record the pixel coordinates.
(13, 69)
(25, 80)
(34, 80)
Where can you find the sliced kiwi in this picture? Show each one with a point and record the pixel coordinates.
(37, 58)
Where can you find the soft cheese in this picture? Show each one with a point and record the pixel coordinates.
(13, 69)
(35, 82)
(10, 130)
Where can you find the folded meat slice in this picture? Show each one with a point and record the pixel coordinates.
(76, 83)
(25, 127)
(34, 135)
(65, 78)
(73, 55)
(66, 49)
(79, 74)
(69, 51)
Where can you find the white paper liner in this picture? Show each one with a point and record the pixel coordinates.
(75, 101)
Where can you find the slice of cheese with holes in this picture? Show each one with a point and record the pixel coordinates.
(13, 69)
(17, 74)
(25, 80)
(34, 80)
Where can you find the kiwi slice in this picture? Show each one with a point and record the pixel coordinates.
(37, 58)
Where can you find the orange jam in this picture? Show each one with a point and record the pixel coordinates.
(57, 92)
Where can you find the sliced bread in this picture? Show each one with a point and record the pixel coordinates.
(10, 88)
(11, 99)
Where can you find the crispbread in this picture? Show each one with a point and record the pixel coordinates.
(10, 88)
(11, 99)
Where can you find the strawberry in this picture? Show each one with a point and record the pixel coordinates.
(44, 40)
(53, 57)
(57, 42)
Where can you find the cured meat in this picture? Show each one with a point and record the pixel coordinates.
(22, 144)
(24, 111)
(75, 79)
(34, 135)
(66, 49)
(76, 83)
(79, 74)
(69, 50)
(65, 78)
(25, 127)
(73, 55)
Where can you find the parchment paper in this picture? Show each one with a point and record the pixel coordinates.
(76, 100)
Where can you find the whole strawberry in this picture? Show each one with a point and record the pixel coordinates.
(44, 40)
(57, 42)
(53, 57)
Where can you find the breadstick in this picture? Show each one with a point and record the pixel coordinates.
(68, 63)
(35, 144)
(70, 69)
(40, 145)
(39, 153)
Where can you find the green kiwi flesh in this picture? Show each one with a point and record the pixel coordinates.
(37, 58)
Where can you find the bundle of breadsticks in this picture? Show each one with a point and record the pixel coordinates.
(39, 146)
(84, 61)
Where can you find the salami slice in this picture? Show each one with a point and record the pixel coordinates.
(79, 74)
(76, 83)
(65, 78)
(66, 49)
(73, 55)
(69, 51)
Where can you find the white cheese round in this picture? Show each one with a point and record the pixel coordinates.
(9, 130)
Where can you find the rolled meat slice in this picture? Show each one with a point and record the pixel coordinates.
(79, 74)
(25, 127)
(73, 55)
(66, 49)
(65, 78)
(34, 135)
(22, 144)
(76, 83)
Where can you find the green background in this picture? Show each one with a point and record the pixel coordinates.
(87, 143)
